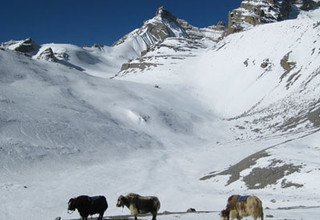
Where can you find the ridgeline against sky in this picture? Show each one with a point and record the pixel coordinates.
(85, 22)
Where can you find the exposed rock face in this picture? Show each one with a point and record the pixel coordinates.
(48, 55)
(165, 24)
(309, 5)
(141, 66)
(99, 46)
(214, 32)
(155, 30)
(167, 31)
(254, 12)
(27, 46)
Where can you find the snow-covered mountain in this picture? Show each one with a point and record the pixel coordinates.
(169, 109)
(167, 37)
(105, 61)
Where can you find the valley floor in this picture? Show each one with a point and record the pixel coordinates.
(294, 213)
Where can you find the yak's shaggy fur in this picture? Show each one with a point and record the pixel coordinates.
(238, 207)
(88, 206)
(140, 204)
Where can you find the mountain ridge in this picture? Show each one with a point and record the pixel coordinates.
(155, 31)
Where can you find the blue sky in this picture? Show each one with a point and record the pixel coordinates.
(84, 22)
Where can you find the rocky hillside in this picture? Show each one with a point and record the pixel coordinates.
(274, 74)
(254, 12)
(167, 37)
(165, 25)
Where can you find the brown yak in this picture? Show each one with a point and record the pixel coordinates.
(242, 206)
(140, 204)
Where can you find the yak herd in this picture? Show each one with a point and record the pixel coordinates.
(98, 205)
(237, 206)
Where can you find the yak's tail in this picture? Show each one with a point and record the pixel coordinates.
(260, 208)
(158, 204)
(261, 211)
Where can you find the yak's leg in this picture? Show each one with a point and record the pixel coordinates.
(154, 216)
(134, 211)
(255, 217)
(233, 214)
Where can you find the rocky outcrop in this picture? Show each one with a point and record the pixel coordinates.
(27, 46)
(214, 32)
(254, 12)
(308, 5)
(155, 30)
(165, 25)
(171, 50)
(141, 66)
(285, 64)
(98, 46)
(165, 31)
(48, 55)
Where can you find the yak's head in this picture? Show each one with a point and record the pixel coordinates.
(72, 204)
(122, 201)
(224, 214)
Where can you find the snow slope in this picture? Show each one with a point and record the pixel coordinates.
(238, 80)
(240, 116)
(101, 61)
(60, 126)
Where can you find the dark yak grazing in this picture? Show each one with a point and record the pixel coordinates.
(140, 204)
(88, 206)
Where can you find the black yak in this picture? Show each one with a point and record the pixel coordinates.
(87, 205)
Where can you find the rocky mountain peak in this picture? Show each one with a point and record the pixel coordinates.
(156, 29)
(48, 55)
(162, 12)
